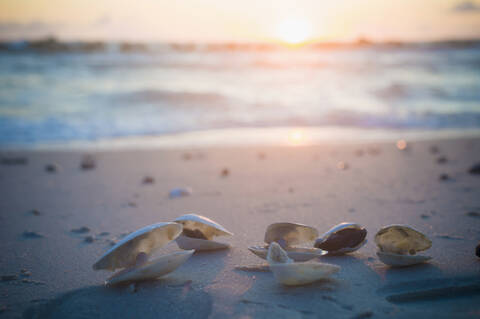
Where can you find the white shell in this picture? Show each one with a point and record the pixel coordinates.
(207, 227)
(336, 229)
(396, 260)
(289, 234)
(295, 253)
(290, 273)
(199, 244)
(146, 240)
(152, 269)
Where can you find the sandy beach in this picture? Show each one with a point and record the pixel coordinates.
(56, 222)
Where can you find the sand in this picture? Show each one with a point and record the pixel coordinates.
(56, 222)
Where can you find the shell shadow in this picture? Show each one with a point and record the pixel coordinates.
(163, 298)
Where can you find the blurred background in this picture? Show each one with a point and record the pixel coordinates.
(78, 71)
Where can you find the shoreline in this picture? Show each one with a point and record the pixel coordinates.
(249, 137)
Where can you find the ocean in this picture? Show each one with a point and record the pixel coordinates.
(72, 95)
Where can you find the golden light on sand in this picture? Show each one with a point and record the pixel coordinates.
(294, 30)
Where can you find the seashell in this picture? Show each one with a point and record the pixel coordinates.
(198, 232)
(180, 192)
(398, 245)
(290, 273)
(287, 235)
(133, 251)
(342, 238)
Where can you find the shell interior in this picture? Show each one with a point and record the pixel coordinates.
(197, 226)
(290, 234)
(345, 237)
(198, 244)
(402, 240)
(145, 240)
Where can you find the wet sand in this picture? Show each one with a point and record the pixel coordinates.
(59, 214)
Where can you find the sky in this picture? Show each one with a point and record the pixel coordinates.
(240, 20)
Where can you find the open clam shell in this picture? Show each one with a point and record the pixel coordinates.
(198, 233)
(133, 251)
(398, 245)
(290, 234)
(342, 238)
(287, 235)
(291, 273)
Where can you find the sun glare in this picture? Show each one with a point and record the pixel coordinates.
(294, 31)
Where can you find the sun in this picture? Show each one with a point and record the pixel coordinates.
(294, 30)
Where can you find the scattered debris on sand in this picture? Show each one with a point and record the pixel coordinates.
(80, 230)
(88, 163)
(52, 168)
(148, 180)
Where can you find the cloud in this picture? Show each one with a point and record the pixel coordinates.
(34, 29)
(466, 6)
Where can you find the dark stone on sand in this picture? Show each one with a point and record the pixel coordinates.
(132, 204)
(104, 233)
(348, 237)
(80, 230)
(35, 212)
(31, 234)
(13, 161)
(89, 239)
(9, 277)
(187, 156)
(473, 214)
(425, 216)
(87, 163)
(475, 169)
(52, 168)
(194, 234)
(444, 177)
(225, 172)
(477, 250)
(442, 160)
(363, 315)
(148, 180)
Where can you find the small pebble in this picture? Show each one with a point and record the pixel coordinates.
(442, 160)
(31, 234)
(225, 172)
(180, 192)
(87, 163)
(148, 180)
(444, 177)
(425, 216)
(132, 204)
(104, 233)
(52, 168)
(35, 212)
(475, 169)
(342, 166)
(473, 214)
(89, 239)
(80, 230)
(261, 156)
(187, 156)
(363, 315)
(9, 277)
(477, 250)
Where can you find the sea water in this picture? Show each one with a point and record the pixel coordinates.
(74, 96)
